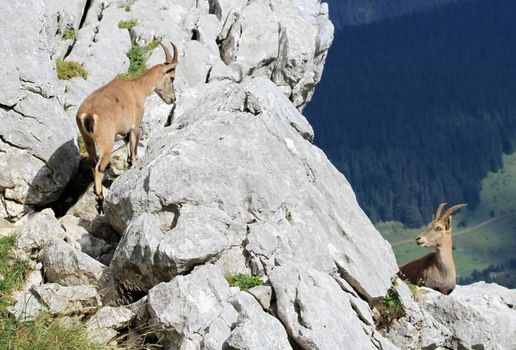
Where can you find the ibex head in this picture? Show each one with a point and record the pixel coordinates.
(165, 85)
(438, 232)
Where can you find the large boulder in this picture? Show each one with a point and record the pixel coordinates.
(245, 174)
(38, 155)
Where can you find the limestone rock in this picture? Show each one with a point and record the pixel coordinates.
(79, 237)
(237, 168)
(255, 329)
(103, 326)
(42, 228)
(38, 155)
(418, 329)
(263, 295)
(27, 306)
(478, 315)
(64, 300)
(69, 267)
(315, 311)
(184, 309)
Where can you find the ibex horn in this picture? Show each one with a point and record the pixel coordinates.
(451, 210)
(168, 56)
(439, 210)
(174, 60)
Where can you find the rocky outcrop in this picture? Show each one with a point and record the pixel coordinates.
(38, 155)
(478, 316)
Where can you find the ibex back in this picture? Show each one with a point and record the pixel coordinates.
(117, 108)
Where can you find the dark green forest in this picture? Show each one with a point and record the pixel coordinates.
(416, 110)
(356, 12)
(503, 274)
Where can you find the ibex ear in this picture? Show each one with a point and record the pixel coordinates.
(447, 223)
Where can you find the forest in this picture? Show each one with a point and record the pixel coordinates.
(416, 110)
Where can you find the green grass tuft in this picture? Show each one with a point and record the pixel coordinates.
(130, 24)
(244, 282)
(390, 308)
(45, 332)
(69, 33)
(137, 59)
(70, 69)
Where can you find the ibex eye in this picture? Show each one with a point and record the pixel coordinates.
(438, 228)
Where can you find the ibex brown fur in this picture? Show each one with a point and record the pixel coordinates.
(435, 270)
(117, 108)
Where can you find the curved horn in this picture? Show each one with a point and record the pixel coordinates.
(168, 56)
(174, 60)
(439, 210)
(450, 211)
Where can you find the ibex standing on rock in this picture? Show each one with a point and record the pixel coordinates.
(117, 108)
(435, 270)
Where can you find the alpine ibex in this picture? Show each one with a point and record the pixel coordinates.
(117, 108)
(435, 270)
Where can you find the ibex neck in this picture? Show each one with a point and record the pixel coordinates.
(445, 263)
(146, 82)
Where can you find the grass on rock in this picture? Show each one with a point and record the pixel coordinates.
(70, 69)
(46, 332)
(243, 281)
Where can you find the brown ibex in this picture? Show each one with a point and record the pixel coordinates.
(117, 108)
(435, 270)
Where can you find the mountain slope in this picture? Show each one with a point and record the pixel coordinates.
(425, 107)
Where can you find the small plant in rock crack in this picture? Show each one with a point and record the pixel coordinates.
(70, 69)
(243, 281)
(390, 308)
(137, 59)
(130, 24)
(69, 33)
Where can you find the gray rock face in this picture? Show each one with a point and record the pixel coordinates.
(190, 308)
(488, 305)
(316, 311)
(242, 174)
(69, 267)
(38, 231)
(478, 316)
(103, 326)
(255, 329)
(38, 154)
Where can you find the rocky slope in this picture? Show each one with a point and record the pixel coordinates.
(232, 185)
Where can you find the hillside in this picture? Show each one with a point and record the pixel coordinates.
(425, 107)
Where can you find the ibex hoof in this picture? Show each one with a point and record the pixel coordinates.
(99, 206)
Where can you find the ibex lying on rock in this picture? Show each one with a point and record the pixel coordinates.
(435, 270)
(117, 108)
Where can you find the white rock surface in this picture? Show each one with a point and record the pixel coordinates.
(255, 329)
(38, 155)
(467, 307)
(244, 174)
(190, 308)
(103, 326)
(41, 228)
(316, 311)
(70, 267)
(478, 316)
